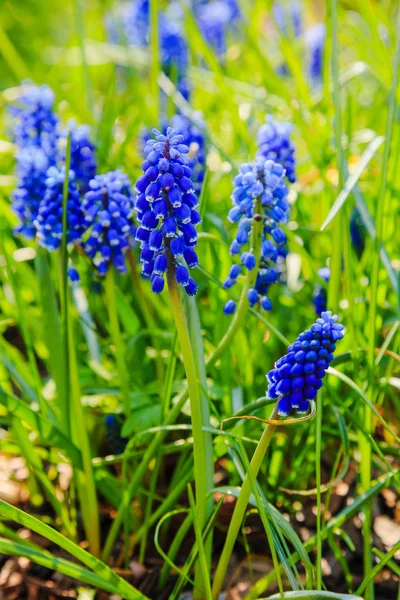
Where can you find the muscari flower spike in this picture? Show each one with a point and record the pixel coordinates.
(36, 123)
(48, 222)
(298, 375)
(315, 42)
(83, 154)
(273, 139)
(320, 296)
(260, 193)
(108, 213)
(115, 441)
(35, 135)
(32, 166)
(166, 210)
(215, 17)
(194, 138)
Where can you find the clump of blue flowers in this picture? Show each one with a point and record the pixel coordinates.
(260, 194)
(41, 149)
(298, 375)
(108, 215)
(274, 142)
(320, 295)
(48, 222)
(166, 210)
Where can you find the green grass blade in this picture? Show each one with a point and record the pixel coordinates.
(93, 563)
(47, 431)
(353, 179)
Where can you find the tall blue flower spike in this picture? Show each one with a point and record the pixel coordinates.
(262, 181)
(48, 222)
(32, 166)
(195, 140)
(315, 42)
(83, 155)
(274, 142)
(108, 213)
(357, 232)
(35, 120)
(298, 375)
(36, 137)
(320, 295)
(115, 441)
(166, 210)
(215, 17)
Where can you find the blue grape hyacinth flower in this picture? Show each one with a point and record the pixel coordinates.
(215, 18)
(166, 210)
(83, 154)
(31, 171)
(298, 375)
(315, 42)
(194, 138)
(35, 120)
(108, 214)
(260, 194)
(274, 142)
(35, 135)
(49, 219)
(320, 295)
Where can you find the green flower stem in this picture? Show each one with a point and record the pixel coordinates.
(241, 311)
(241, 506)
(199, 445)
(80, 436)
(155, 58)
(146, 312)
(117, 339)
(318, 436)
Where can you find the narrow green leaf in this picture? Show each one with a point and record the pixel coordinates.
(48, 431)
(352, 180)
(93, 563)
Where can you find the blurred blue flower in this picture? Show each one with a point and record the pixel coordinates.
(83, 155)
(273, 139)
(115, 441)
(260, 183)
(298, 375)
(215, 18)
(48, 222)
(320, 295)
(134, 20)
(315, 42)
(289, 18)
(108, 215)
(166, 210)
(357, 232)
